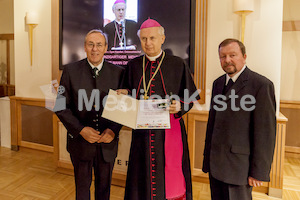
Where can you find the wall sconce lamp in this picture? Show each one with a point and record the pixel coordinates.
(31, 21)
(243, 8)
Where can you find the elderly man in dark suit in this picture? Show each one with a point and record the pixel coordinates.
(241, 128)
(92, 141)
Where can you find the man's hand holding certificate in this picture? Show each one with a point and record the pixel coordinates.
(138, 114)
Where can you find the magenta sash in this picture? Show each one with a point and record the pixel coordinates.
(174, 179)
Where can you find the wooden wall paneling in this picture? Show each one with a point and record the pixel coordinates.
(55, 39)
(194, 117)
(292, 149)
(8, 90)
(293, 131)
(291, 109)
(16, 123)
(36, 126)
(2, 90)
(200, 47)
(291, 25)
(8, 61)
(290, 104)
(276, 174)
(6, 36)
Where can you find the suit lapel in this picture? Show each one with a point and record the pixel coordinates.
(220, 85)
(101, 79)
(86, 81)
(105, 79)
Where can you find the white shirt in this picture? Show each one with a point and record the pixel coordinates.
(99, 67)
(154, 57)
(236, 76)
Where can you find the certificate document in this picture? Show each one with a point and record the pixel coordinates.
(153, 115)
(136, 114)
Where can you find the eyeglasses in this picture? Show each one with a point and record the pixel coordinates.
(92, 45)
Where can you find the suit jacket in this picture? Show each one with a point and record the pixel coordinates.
(131, 29)
(241, 143)
(76, 76)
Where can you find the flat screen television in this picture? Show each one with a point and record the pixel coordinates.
(77, 17)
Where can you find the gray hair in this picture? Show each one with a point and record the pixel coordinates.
(97, 31)
(161, 31)
(113, 7)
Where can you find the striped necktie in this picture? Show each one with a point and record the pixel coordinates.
(96, 72)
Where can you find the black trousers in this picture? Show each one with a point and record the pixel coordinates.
(225, 191)
(83, 176)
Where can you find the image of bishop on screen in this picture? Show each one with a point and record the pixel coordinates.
(120, 27)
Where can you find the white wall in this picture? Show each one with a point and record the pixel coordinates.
(290, 76)
(263, 36)
(29, 78)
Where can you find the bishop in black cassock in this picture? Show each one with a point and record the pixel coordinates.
(114, 31)
(154, 172)
(121, 32)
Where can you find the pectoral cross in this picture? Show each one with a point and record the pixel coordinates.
(145, 97)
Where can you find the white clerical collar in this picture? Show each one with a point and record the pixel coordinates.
(99, 67)
(119, 22)
(236, 76)
(154, 57)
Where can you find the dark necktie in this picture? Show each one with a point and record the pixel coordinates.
(228, 86)
(95, 70)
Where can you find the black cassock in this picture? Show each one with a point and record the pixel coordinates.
(146, 170)
(131, 29)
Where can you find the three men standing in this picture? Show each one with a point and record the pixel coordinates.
(239, 143)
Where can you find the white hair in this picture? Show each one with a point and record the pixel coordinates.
(161, 31)
(113, 7)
